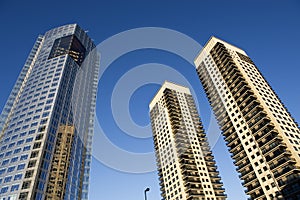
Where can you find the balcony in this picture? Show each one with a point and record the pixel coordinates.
(247, 109)
(236, 153)
(250, 188)
(284, 160)
(265, 123)
(249, 180)
(250, 104)
(234, 145)
(243, 165)
(247, 173)
(232, 139)
(242, 93)
(277, 153)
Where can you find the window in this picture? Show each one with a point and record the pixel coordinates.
(22, 134)
(47, 107)
(31, 163)
(37, 145)
(25, 127)
(14, 187)
(34, 154)
(38, 110)
(45, 114)
(26, 184)
(36, 117)
(24, 157)
(2, 171)
(10, 169)
(7, 179)
(21, 166)
(28, 119)
(14, 137)
(8, 153)
(18, 177)
(29, 139)
(20, 142)
(51, 95)
(3, 190)
(44, 121)
(27, 148)
(34, 124)
(14, 159)
(17, 150)
(5, 162)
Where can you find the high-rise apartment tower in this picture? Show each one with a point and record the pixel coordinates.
(186, 167)
(261, 134)
(47, 123)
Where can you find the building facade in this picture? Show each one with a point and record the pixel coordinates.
(262, 137)
(47, 123)
(186, 166)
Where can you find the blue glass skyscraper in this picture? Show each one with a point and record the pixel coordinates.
(47, 123)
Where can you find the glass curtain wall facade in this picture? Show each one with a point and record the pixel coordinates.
(47, 123)
(186, 166)
(262, 136)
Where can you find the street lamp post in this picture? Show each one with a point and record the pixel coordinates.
(146, 190)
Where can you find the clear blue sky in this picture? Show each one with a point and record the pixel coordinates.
(267, 30)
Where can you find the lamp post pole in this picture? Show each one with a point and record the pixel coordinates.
(146, 190)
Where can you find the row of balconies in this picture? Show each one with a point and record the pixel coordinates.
(236, 153)
(239, 87)
(220, 50)
(253, 113)
(247, 172)
(230, 71)
(256, 119)
(264, 132)
(280, 162)
(257, 194)
(248, 179)
(234, 145)
(242, 165)
(244, 93)
(248, 99)
(228, 131)
(276, 153)
(219, 110)
(248, 103)
(226, 126)
(264, 123)
(253, 186)
(252, 105)
(272, 145)
(235, 81)
(231, 139)
(285, 172)
(268, 138)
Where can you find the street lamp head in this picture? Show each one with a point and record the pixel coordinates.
(146, 190)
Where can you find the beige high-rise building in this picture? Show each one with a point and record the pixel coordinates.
(260, 133)
(186, 166)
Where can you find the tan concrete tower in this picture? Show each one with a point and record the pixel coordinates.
(186, 167)
(261, 134)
